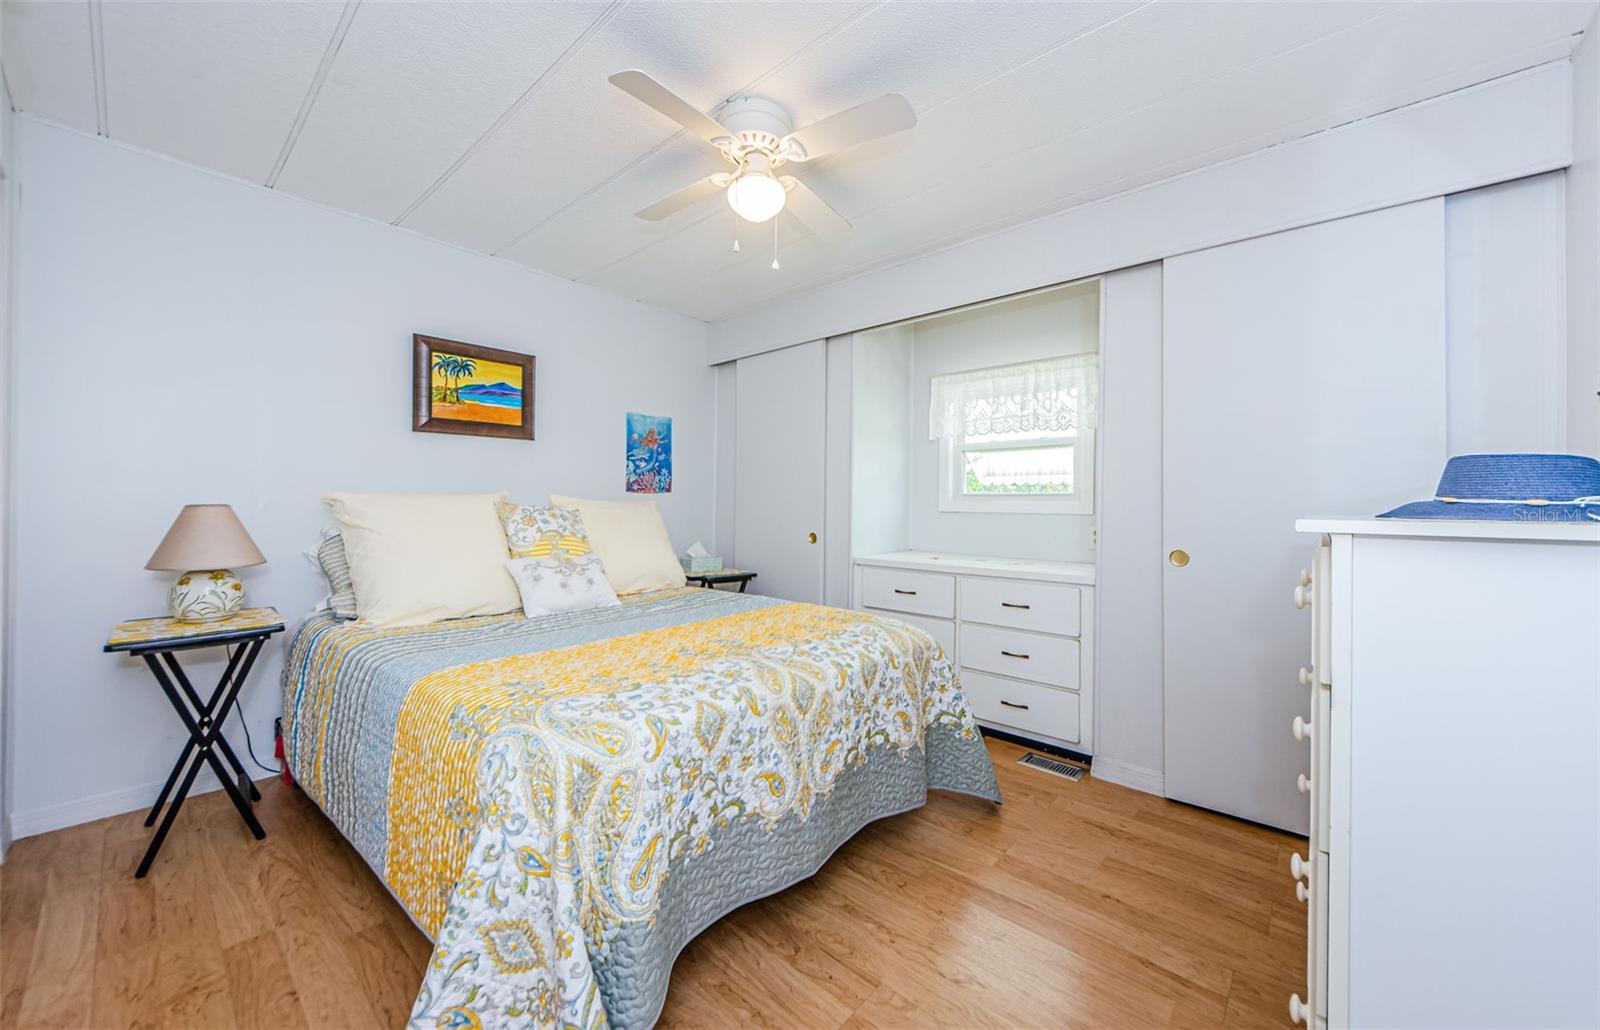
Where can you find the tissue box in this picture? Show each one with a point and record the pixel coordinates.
(700, 563)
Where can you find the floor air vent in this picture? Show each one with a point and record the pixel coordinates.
(1053, 766)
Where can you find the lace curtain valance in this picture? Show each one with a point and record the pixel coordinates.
(1040, 398)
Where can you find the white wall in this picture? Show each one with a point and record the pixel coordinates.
(838, 415)
(727, 398)
(1505, 315)
(1583, 251)
(1047, 325)
(880, 452)
(1507, 128)
(8, 210)
(186, 337)
(1129, 681)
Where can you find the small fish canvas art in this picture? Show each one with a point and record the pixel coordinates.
(649, 454)
(477, 391)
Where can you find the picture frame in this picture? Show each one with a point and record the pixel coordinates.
(469, 390)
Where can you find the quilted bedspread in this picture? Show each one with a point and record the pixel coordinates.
(562, 803)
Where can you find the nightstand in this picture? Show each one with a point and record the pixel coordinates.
(711, 579)
(157, 641)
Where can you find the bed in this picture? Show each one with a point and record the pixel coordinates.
(562, 803)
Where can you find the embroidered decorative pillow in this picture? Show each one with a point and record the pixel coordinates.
(331, 557)
(532, 532)
(555, 568)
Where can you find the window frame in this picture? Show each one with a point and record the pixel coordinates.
(952, 474)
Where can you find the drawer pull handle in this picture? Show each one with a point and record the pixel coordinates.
(1301, 891)
(1304, 783)
(1300, 867)
(1299, 1011)
(1008, 604)
(1013, 654)
(1300, 728)
(1012, 704)
(908, 593)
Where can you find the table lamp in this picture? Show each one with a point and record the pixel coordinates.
(206, 542)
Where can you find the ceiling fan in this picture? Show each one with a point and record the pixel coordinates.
(756, 136)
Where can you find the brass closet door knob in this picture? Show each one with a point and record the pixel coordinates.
(811, 538)
(1179, 558)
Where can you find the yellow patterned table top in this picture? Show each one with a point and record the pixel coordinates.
(139, 632)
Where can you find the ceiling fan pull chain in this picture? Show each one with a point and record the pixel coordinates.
(774, 244)
(735, 230)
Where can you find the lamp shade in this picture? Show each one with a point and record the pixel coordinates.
(205, 536)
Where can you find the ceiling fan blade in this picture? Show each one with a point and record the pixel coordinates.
(687, 197)
(813, 212)
(648, 91)
(889, 113)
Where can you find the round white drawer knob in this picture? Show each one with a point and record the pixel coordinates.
(1305, 578)
(1305, 676)
(1301, 891)
(1300, 867)
(1301, 728)
(1301, 598)
(1299, 1011)
(1304, 783)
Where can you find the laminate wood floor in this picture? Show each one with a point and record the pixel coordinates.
(1072, 905)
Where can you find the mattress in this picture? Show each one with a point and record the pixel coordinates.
(562, 803)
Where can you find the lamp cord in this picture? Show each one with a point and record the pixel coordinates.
(249, 744)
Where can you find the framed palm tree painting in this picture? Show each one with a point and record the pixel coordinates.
(471, 390)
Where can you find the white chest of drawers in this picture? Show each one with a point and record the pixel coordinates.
(1453, 873)
(1021, 634)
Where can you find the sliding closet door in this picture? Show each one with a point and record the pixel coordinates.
(781, 402)
(1303, 373)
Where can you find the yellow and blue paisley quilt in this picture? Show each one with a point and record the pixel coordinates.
(562, 803)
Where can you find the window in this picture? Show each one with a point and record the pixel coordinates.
(1017, 438)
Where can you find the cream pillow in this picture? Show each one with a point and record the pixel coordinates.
(630, 539)
(419, 558)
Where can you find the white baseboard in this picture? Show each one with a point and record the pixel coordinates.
(59, 816)
(1139, 777)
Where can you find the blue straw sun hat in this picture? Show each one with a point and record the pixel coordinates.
(1512, 488)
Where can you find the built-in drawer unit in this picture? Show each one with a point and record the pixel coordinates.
(1015, 652)
(1020, 633)
(1042, 607)
(900, 590)
(942, 631)
(1030, 708)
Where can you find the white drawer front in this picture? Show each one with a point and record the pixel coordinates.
(921, 593)
(1045, 607)
(1013, 652)
(943, 633)
(1028, 708)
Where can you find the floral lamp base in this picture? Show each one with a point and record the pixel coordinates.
(201, 596)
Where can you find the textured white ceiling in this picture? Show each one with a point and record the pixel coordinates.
(492, 126)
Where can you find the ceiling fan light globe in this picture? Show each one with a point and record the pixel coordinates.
(755, 197)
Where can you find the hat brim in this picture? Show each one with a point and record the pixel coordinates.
(1489, 512)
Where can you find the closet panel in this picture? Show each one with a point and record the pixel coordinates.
(1302, 372)
(781, 402)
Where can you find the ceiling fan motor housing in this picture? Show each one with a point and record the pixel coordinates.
(749, 114)
(759, 124)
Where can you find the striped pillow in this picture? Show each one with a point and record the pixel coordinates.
(330, 555)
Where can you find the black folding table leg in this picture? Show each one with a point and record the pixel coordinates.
(166, 788)
(205, 738)
(194, 696)
(166, 824)
(199, 707)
